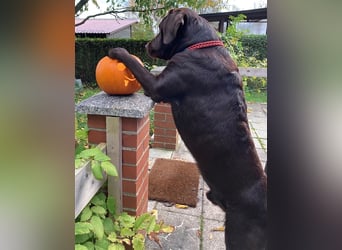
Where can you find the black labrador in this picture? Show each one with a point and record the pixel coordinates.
(204, 87)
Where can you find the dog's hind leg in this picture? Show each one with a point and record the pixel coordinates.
(243, 232)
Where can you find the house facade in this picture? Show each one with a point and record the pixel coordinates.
(105, 28)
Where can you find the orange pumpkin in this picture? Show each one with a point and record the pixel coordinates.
(114, 78)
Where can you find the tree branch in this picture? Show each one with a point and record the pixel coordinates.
(115, 12)
(80, 4)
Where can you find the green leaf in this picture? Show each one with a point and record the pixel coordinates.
(99, 210)
(83, 228)
(100, 156)
(112, 237)
(86, 214)
(126, 232)
(109, 168)
(89, 153)
(151, 225)
(102, 244)
(81, 134)
(78, 163)
(82, 238)
(89, 245)
(140, 220)
(111, 205)
(126, 220)
(98, 226)
(97, 170)
(138, 242)
(80, 247)
(108, 225)
(99, 199)
(116, 246)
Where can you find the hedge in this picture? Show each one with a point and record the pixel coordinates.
(88, 51)
(255, 45)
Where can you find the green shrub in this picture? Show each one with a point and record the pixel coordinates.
(99, 227)
(88, 51)
(255, 46)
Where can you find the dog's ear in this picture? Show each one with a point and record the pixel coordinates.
(173, 22)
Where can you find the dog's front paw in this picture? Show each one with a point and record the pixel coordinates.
(118, 53)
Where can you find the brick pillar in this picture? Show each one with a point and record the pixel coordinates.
(135, 154)
(165, 132)
(134, 115)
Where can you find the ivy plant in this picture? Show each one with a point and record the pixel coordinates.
(99, 227)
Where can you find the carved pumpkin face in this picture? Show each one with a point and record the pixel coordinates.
(114, 78)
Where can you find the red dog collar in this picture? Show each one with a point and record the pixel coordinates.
(206, 44)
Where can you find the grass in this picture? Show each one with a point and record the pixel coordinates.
(255, 96)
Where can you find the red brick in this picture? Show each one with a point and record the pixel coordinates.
(129, 201)
(162, 108)
(96, 121)
(96, 137)
(142, 161)
(166, 124)
(165, 139)
(133, 124)
(171, 132)
(143, 132)
(159, 116)
(129, 124)
(157, 145)
(159, 131)
(130, 140)
(133, 156)
(130, 186)
(170, 146)
(142, 207)
(130, 172)
(169, 117)
(129, 156)
(134, 186)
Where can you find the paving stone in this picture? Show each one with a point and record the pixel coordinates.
(185, 236)
(160, 153)
(183, 153)
(262, 154)
(213, 240)
(151, 205)
(261, 133)
(260, 126)
(211, 211)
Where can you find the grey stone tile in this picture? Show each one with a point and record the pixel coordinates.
(185, 236)
(160, 153)
(182, 153)
(260, 126)
(211, 211)
(151, 205)
(261, 133)
(262, 154)
(213, 240)
(257, 143)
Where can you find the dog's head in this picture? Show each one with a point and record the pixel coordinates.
(179, 29)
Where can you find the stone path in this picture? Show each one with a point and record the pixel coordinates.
(195, 227)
